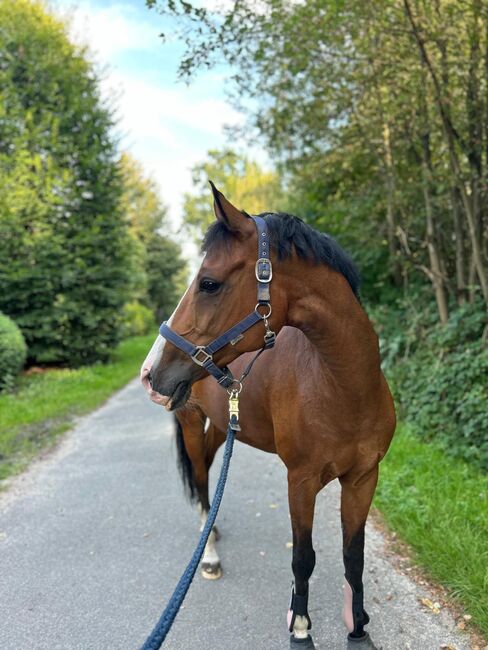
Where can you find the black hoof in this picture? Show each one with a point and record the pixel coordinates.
(365, 640)
(303, 644)
(216, 533)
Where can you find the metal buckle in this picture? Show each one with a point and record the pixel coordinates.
(200, 349)
(268, 269)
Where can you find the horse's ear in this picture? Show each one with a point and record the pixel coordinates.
(234, 219)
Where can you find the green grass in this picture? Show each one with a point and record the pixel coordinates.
(43, 406)
(439, 506)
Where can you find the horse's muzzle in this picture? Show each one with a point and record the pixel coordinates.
(169, 386)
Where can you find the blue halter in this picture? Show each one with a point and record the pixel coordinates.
(202, 355)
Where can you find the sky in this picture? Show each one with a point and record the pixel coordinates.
(167, 125)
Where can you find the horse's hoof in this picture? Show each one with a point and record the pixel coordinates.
(216, 533)
(365, 640)
(211, 571)
(302, 644)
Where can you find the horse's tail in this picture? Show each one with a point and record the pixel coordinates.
(185, 466)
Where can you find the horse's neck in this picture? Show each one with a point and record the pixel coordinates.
(322, 305)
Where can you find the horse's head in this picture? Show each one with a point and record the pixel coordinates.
(222, 293)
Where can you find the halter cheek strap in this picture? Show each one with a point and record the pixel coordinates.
(202, 355)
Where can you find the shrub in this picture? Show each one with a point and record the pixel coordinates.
(13, 351)
(439, 376)
(138, 319)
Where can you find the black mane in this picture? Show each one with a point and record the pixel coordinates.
(287, 233)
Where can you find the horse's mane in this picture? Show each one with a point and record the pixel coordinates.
(288, 233)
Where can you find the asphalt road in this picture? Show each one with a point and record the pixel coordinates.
(94, 537)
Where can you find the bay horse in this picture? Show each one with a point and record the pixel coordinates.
(318, 399)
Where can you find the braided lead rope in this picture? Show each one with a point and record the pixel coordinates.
(155, 640)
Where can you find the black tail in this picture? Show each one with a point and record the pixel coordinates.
(184, 464)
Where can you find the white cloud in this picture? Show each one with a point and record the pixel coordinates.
(169, 129)
(108, 31)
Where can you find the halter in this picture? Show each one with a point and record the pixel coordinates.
(202, 355)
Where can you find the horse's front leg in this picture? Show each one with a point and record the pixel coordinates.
(212, 439)
(357, 494)
(301, 498)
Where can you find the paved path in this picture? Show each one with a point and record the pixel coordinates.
(93, 540)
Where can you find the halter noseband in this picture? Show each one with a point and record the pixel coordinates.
(202, 355)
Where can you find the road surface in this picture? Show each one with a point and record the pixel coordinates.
(94, 537)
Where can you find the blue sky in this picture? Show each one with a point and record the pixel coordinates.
(166, 125)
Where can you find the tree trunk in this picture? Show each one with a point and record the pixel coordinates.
(436, 273)
(450, 136)
(460, 257)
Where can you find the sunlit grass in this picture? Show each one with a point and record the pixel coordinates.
(44, 405)
(439, 506)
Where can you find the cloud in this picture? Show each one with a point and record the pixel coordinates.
(168, 128)
(110, 31)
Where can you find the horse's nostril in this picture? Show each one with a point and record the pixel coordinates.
(150, 377)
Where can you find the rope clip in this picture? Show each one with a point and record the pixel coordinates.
(234, 408)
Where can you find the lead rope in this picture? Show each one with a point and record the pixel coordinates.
(155, 640)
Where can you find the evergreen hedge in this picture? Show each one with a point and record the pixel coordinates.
(65, 251)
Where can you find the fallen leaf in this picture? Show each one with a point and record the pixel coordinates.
(461, 625)
(467, 617)
(289, 544)
(273, 505)
(434, 607)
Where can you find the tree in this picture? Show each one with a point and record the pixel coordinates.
(398, 88)
(64, 243)
(251, 187)
(159, 275)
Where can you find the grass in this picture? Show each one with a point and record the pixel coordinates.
(439, 506)
(43, 406)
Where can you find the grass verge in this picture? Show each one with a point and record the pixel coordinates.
(43, 406)
(439, 506)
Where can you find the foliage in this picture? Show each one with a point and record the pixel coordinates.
(379, 107)
(440, 507)
(167, 276)
(138, 319)
(252, 188)
(440, 377)
(159, 270)
(64, 256)
(13, 351)
(45, 404)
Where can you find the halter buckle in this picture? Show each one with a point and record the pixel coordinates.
(264, 270)
(199, 350)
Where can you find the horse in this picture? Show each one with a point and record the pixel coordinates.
(318, 399)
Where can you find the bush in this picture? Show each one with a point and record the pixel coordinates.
(138, 320)
(439, 376)
(13, 351)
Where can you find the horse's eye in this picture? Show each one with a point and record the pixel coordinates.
(209, 286)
